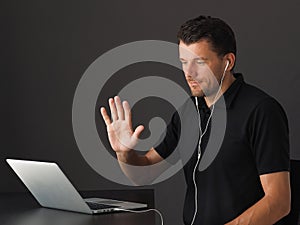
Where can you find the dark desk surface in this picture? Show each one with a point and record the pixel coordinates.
(22, 209)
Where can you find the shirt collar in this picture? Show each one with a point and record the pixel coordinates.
(233, 90)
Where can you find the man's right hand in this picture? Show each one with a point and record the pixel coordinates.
(121, 136)
(123, 139)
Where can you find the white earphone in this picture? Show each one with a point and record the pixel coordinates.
(227, 64)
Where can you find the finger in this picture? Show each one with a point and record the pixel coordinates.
(105, 116)
(113, 109)
(127, 112)
(120, 109)
(137, 132)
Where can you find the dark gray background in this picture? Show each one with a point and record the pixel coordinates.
(47, 45)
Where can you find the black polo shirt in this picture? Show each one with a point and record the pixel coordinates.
(256, 142)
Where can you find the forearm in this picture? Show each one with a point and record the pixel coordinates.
(140, 169)
(128, 162)
(266, 211)
(132, 158)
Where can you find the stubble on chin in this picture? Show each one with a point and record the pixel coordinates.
(197, 93)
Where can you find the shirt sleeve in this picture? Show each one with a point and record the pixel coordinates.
(269, 137)
(169, 139)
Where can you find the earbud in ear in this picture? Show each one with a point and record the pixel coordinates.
(227, 64)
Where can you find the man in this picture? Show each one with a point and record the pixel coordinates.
(248, 181)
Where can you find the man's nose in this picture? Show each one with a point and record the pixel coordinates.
(190, 70)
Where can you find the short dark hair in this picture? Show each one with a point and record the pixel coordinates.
(213, 30)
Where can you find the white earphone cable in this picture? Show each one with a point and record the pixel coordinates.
(200, 140)
(144, 211)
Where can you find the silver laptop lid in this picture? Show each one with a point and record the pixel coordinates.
(49, 185)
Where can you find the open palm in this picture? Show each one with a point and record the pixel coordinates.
(121, 136)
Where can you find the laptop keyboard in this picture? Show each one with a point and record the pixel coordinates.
(96, 206)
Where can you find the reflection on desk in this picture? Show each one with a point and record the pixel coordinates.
(22, 209)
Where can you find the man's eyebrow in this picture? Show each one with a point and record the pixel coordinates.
(197, 58)
(202, 58)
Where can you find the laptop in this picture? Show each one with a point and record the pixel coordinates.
(52, 189)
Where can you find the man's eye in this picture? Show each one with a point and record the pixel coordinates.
(183, 62)
(200, 62)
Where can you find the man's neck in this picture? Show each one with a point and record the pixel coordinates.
(228, 80)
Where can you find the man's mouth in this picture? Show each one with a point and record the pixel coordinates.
(193, 82)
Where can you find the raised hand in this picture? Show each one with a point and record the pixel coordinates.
(121, 136)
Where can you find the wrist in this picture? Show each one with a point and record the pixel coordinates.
(125, 156)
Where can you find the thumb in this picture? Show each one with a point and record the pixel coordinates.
(137, 132)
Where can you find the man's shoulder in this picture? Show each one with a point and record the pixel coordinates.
(253, 96)
(254, 92)
(252, 100)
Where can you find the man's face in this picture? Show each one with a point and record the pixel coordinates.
(202, 67)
